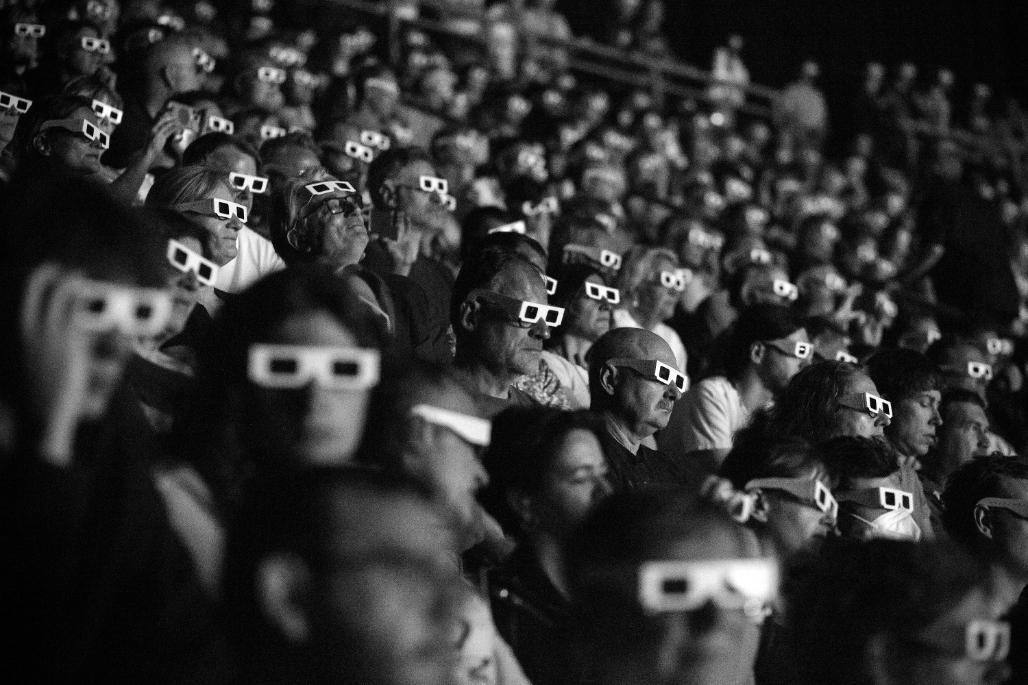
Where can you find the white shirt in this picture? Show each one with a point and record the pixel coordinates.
(713, 413)
(255, 259)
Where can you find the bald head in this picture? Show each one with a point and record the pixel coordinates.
(170, 67)
(625, 343)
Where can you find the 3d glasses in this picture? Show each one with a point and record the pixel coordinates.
(605, 258)
(359, 152)
(324, 187)
(657, 370)
(1017, 506)
(595, 291)
(375, 139)
(834, 282)
(97, 45)
(548, 205)
(89, 130)
(866, 402)
(289, 367)
(186, 260)
(843, 356)
(707, 241)
(812, 492)
(471, 429)
(785, 289)
(977, 640)
(222, 209)
(19, 105)
(1000, 346)
(220, 125)
(551, 284)
(268, 131)
(104, 111)
(521, 311)
(673, 280)
(879, 498)
(734, 584)
(272, 75)
(290, 57)
(204, 62)
(798, 349)
(29, 30)
(101, 306)
(513, 227)
(433, 184)
(255, 184)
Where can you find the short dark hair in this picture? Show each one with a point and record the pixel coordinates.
(755, 323)
(479, 273)
(981, 477)
(383, 167)
(808, 406)
(475, 226)
(902, 373)
(848, 457)
(753, 455)
(206, 144)
(957, 395)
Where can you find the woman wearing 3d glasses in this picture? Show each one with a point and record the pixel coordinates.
(286, 378)
(651, 284)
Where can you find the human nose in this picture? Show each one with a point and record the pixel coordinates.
(936, 419)
(882, 419)
(540, 331)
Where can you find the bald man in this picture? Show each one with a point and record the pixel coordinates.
(634, 383)
(169, 68)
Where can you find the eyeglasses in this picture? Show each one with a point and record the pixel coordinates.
(471, 429)
(800, 349)
(272, 75)
(708, 241)
(513, 227)
(1002, 346)
(866, 402)
(222, 209)
(974, 370)
(29, 30)
(749, 585)
(657, 370)
(104, 111)
(100, 306)
(220, 125)
(90, 131)
(1018, 507)
(605, 258)
(204, 62)
(375, 139)
(19, 105)
(672, 280)
(879, 498)
(843, 356)
(323, 187)
(808, 491)
(595, 291)
(358, 151)
(433, 184)
(521, 311)
(551, 284)
(289, 367)
(186, 260)
(269, 131)
(785, 289)
(287, 56)
(547, 205)
(172, 21)
(98, 45)
(255, 184)
(977, 640)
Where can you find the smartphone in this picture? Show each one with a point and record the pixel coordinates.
(383, 223)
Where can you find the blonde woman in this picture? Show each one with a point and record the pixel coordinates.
(651, 283)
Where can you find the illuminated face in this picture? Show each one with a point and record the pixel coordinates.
(575, 483)
(914, 423)
(856, 422)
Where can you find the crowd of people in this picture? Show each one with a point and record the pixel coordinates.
(341, 361)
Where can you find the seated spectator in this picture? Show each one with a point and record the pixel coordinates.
(961, 363)
(909, 381)
(59, 137)
(547, 472)
(650, 283)
(634, 384)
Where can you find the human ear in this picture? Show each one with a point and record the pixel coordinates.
(469, 315)
(41, 145)
(757, 351)
(608, 378)
(282, 584)
(388, 193)
(983, 521)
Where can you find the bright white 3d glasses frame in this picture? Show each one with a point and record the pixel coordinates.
(101, 306)
(268, 131)
(19, 105)
(359, 152)
(749, 585)
(220, 124)
(255, 184)
(655, 370)
(186, 260)
(1000, 346)
(97, 45)
(785, 289)
(27, 30)
(89, 130)
(272, 75)
(433, 184)
(809, 491)
(605, 258)
(289, 367)
(798, 348)
(375, 139)
(323, 187)
(866, 402)
(513, 227)
(603, 293)
(109, 112)
(889, 499)
(522, 312)
(551, 284)
(674, 280)
(222, 209)
(472, 429)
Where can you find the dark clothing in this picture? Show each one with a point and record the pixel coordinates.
(1017, 659)
(933, 493)
(415, 333)
(534, 618)
(131, 134)
(636, 471)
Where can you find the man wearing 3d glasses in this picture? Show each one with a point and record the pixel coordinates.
(634, 383)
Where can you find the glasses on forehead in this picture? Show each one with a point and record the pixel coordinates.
(672, 280)
(604, 258)
(102, 306)
(1018, 507)
(19, 105)
(186, 260)
(268, 131)
(785, 289)
(595, 291)
(358, 151)
(866, 402)
(433, 184)
(288, 367)
(843, 356)
(204, 62)
(104, 111)
(471, 429)
(222, 209)
(879, 498)
(29, 30)
(548, 205)
(220, 125)
(522, 312)
(272, 75)
(749, 585)
(88, 130)
(657, 370)
(551, 285)
(812, 492)
(375, 139)
(798, 349)
(323, 187)
(97, 45)
(255, 184)
(513, 227)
